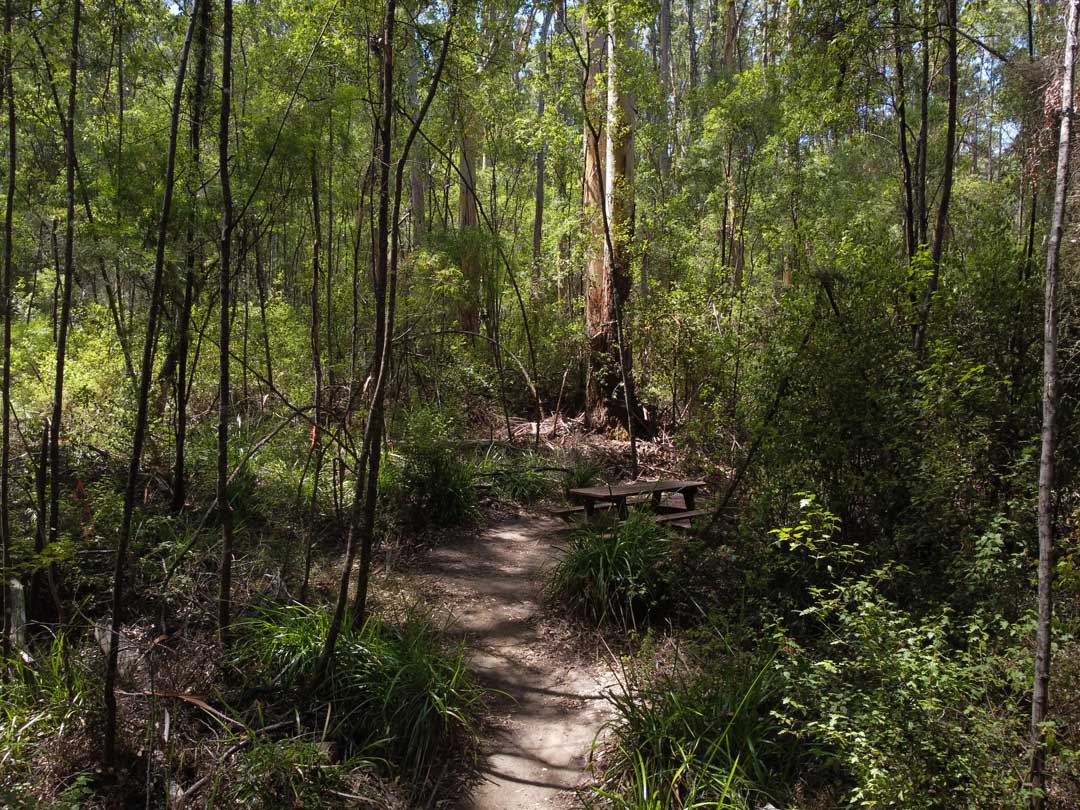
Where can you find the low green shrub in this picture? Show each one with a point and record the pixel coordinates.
(905, 712)
(698, 735)
(429, 482)
(894, 709)
(398, 692)
(615, 573)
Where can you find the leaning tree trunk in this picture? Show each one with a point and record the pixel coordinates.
(1040, 690)
(367, 489)
(145, 379)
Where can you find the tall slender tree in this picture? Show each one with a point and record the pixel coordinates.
(187, 302)
(146, 375)
(69, 274)
(362, 517)
(942, 219)
(541, 160)
(224, 508)
(1040, 695)
(664, 28)
(5, 302)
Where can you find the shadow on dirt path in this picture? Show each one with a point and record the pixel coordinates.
(550, 703)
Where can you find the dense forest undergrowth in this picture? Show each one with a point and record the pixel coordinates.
(294, 294)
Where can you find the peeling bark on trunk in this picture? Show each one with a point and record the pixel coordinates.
(609, 391)
(598, 298)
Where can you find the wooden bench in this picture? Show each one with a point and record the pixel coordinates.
(675, 517)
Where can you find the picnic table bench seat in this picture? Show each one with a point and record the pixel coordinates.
(670, 503)
(663, 496)
(674, 517)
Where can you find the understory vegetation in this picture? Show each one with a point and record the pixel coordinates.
(297, 296)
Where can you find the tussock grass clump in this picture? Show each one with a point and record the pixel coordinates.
(270, 774)
(615, 574)
(41, 704)
(523, 479)
(582, 472)
(696, 736)
(525, 484)
(400, 692)
(429, 482)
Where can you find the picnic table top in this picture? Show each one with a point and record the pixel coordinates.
(635, 488)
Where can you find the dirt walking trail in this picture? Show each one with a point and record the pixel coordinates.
(551, 703)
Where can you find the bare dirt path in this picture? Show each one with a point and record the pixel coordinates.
(550, 703)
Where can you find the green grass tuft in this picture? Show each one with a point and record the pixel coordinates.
(698, 736)
(615, 574)
(401, 693)
(40, 704)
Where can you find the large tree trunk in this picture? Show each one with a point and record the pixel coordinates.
(608, 272)
(598, 298)
(224, 296)
(1040, 690)
(731, 37)
(619, 200)
(142, 407)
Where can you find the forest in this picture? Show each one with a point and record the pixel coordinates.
(496, 404)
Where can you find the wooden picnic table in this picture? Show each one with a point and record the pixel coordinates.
(619, 493)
